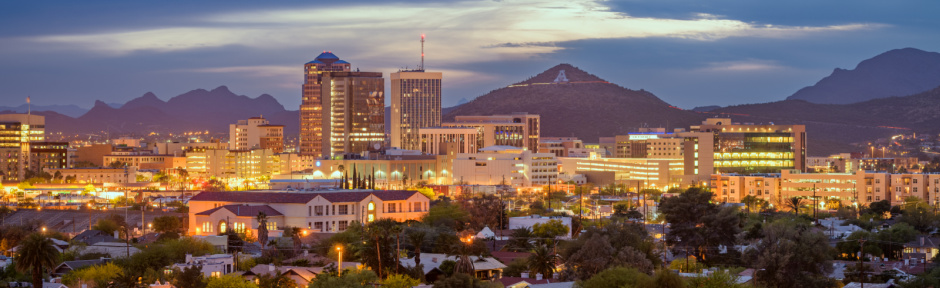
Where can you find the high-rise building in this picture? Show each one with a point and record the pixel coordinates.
(16, 132)
(416, 103)
(342, 112)
(256, 133)
(311, 105)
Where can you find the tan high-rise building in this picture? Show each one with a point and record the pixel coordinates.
(342, 112)
(255, 133)
(311, 105)
(416, 103)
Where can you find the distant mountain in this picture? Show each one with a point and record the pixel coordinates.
(68, 110)
(579, 104)
(196, 110)
(897, 72)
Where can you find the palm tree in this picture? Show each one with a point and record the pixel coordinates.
(416, 237)
(379, 231)
(519, 240)
(35, 253)
(542, 261)
(794, 203)
(397, 229)
(262, 229)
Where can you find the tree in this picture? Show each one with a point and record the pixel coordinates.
(190, 277)
(618, 277)
(880, 207)
(446, 213)
(35, 254)
(791, 254)
(851, 245)
(230, 281)
(485, 210)
(379, 237)
(550, 230)
(794, 203)
(96, 276)
(276, 280)
(520, 240)
(416, 236)
(719, 279)
(262, 228)
(749, 201)
(697, 225)
(667, 279)
(918, 214)
(599, 248)
(542, 261)
(164, 224)
(352, 278)
(461, 280)
(400, 281)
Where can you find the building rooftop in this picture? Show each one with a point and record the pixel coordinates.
(300, 197)
(244, 210)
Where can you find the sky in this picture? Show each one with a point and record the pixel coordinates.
(687, 52)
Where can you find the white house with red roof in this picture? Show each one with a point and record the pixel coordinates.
(315, 211)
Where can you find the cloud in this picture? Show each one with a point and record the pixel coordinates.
(458, 30)
(751, 65)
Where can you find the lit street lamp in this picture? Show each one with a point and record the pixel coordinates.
(339, 272)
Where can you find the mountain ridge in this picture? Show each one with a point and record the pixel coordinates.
(897, 72)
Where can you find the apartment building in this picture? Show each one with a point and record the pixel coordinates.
(256, 133)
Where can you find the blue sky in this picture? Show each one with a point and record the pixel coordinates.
(689, 53)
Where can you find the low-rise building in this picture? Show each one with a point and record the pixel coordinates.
(99, 175)
(448, 140)
(486, 268)
(321, 211)
(506, 165)
(211, 265)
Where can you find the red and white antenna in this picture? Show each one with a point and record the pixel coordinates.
(422, 52)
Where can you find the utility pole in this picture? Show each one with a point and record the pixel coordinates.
(815, 204)
(861, 252)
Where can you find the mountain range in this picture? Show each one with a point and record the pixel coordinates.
(196, 110)
(583, 105)
(897, 72)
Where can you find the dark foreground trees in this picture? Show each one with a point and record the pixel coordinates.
(698, 227)
(791, 254)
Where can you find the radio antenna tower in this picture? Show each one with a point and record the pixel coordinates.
(422, 52)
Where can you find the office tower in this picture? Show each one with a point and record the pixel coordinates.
(416, 104)
(16, 132)
(342, 112)
(256, 133)
(311, 105)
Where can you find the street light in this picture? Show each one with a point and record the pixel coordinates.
(339, 272)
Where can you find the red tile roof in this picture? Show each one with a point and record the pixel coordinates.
(255, 197)
(301, 197)
(244, 210)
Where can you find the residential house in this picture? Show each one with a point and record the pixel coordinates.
(212, 265)
(486, 268)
